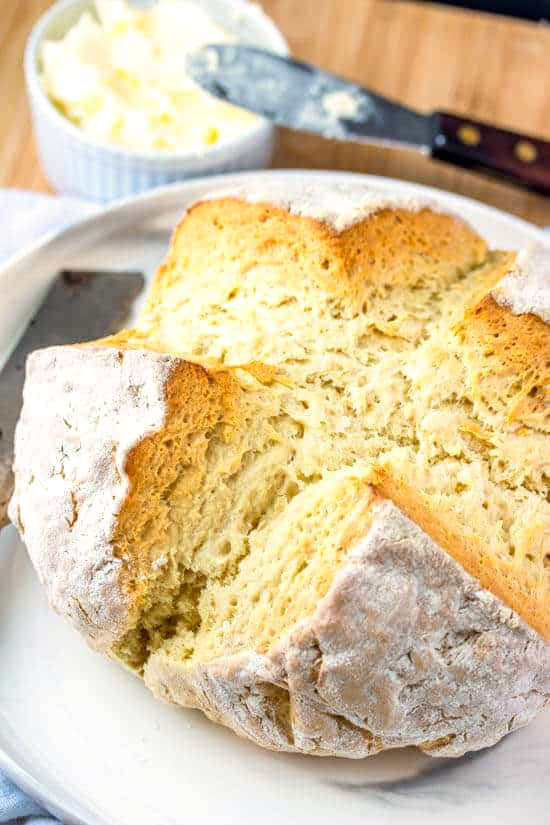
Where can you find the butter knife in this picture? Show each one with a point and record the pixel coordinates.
(303, 97)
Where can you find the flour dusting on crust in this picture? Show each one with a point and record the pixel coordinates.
(340, 205)
(405, 649)
(84, 409)
(526, 287)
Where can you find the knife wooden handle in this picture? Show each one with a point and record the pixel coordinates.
(467, 142)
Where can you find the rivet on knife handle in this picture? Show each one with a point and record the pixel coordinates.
(468, 142)
(80, 306)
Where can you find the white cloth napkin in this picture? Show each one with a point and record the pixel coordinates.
(25, 217)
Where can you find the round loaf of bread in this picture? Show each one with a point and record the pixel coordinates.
(309, 492)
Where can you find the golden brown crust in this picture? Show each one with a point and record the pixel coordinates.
(387, 247)
(509, 360)
(401, 247)
(197, 401)
(507, 383)
(526, 591)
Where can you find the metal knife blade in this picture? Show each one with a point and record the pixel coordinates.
(303, 97)
(80, 306)
(300, 96)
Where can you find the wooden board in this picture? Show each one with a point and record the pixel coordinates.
(495, 69)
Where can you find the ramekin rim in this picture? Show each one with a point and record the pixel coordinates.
(39, 97)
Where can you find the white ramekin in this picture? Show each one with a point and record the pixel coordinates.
(77, 165)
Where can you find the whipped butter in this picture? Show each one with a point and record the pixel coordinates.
(120, 76)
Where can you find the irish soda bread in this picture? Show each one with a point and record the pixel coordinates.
(308, 492)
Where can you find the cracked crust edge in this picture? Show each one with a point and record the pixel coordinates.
(71, 480)
(405, 649)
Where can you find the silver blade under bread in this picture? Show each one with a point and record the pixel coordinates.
(80, 306)
(301, 96)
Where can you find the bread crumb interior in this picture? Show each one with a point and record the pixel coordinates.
(374, 373)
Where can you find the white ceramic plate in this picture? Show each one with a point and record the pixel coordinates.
(89, 741)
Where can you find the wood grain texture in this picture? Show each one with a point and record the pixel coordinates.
(430, 57)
